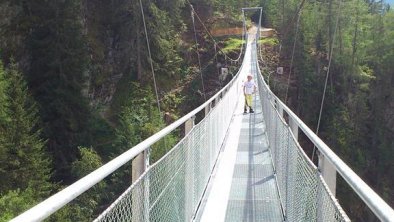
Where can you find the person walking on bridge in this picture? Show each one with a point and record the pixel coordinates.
(249, 89)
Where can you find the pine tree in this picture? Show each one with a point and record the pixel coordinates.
(26, 164)
(85, 207)
(24, 168)
(57, 77)
(3, 100)
(3, 119)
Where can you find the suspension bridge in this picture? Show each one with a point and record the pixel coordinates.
(228, 167)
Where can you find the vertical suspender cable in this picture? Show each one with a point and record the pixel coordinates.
(244, 33)
(198, 54)
(327, 74)
(217, 67)
(298, 14)
(150, 58)
(292, 54)
(259, 29)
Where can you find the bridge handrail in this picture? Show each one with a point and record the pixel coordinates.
(379, 207)
(63, 197)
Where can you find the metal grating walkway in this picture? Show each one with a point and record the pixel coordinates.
(253, 194)
(243, 187)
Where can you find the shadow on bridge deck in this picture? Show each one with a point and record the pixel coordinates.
(243, 186)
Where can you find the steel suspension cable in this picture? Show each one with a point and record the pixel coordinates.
(327, 74)
(292, 53)
(198, 54)
(298, 14)
(214, 57)
(153, 74)
(217, 67)
(285, 30)
(150, 58)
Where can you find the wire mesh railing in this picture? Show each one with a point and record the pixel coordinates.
(308, 192)
(172, 188)
(303, 192)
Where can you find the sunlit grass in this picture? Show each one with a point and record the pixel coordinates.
(269, 41)
(232, 44)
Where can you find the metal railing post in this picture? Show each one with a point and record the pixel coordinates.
(276, 144)
(286, 205)
(217, 99)
(293, 127)
(138, 167)
(280, 109)
(207, 109)
(189, 124)
(146, 185)
(329, 173)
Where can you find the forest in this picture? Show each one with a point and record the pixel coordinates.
(357, 121)
(76, 87)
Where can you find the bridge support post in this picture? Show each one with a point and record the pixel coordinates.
(189, 124)
(294, 128)
(329, 173)
(140, 197)
(280, 109)
(138, 166)
(207, 109)
(218, 98)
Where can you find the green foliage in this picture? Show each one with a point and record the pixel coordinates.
(171, 102)
(57, 76)
(3, 97)
(88, 162)
(164, 29)
(140, 119)
(232, 8)
(269, 41)
(21, 143)
(232, 45)
(25, 168)
(103, 133)
(356, 117)
(85, 206)
(15, 202)
(136, 117)
(64, 48)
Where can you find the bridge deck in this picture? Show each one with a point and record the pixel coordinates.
(243, 186)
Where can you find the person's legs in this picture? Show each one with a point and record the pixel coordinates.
(249, 103)
(246, 105)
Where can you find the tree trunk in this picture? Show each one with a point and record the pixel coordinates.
(329, 28)
(139, 65)
(354, 45)
(138, 40)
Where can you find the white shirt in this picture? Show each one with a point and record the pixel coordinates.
(249, 87)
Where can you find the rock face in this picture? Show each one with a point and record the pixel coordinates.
(109, 29)
(114, 39)
(109, 33)
(236, 31)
